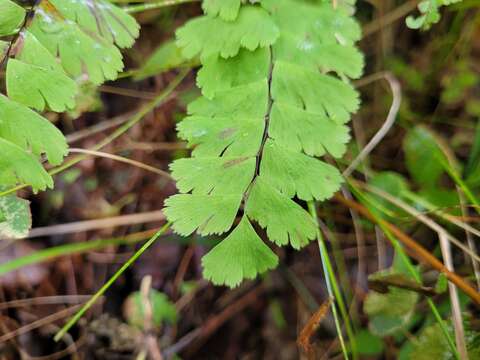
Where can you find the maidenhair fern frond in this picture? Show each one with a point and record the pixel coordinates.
(276, 96)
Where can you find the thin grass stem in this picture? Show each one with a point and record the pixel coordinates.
(334, 291)
(63, 331)
(155, 5)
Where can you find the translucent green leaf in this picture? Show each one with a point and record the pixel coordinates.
(30, 131)
(12, 17)
(441, 197)
(15, 217)
(81, 54)
(431, 343)
(395, 185)
(429, 13)
(242, 255)
(102, 18)
(424, 158)
(162, 309)
(207, 36)
(442, 283)
(368, 344)
(297, 174)
(286, 222)
(208, 214)
(19, 166)
(390, 312)
(168, 56)
(226, 9)
(418, 22)
(216, 175)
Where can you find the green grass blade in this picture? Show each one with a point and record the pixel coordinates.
(109, 283)
(155, 5)
(334, 291)
(67, 249)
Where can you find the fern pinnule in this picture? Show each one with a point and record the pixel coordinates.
(60, 43)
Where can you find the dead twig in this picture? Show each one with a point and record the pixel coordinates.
(40, 322)
(304, 339)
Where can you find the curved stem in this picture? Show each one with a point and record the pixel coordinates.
(122, 159)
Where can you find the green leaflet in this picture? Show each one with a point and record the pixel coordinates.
(423, 156)
(242, 255)
(313, 92)
(15, 217)
(17, 165)
(225, 9)
(215, 175)
(35, 79)
(286, 221)
(162, 309)
(208, 214)
(233, 125)
(36, 135)
(33, 52)
(294, 173)
(12, 17)
(207, 36)
(391, 311)
(82, 35)
(429, 13)
(102, 18)
(313, 133)
(218, 74)
(80, 54)
(267, 109)
(38, 87)
(432, 345)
